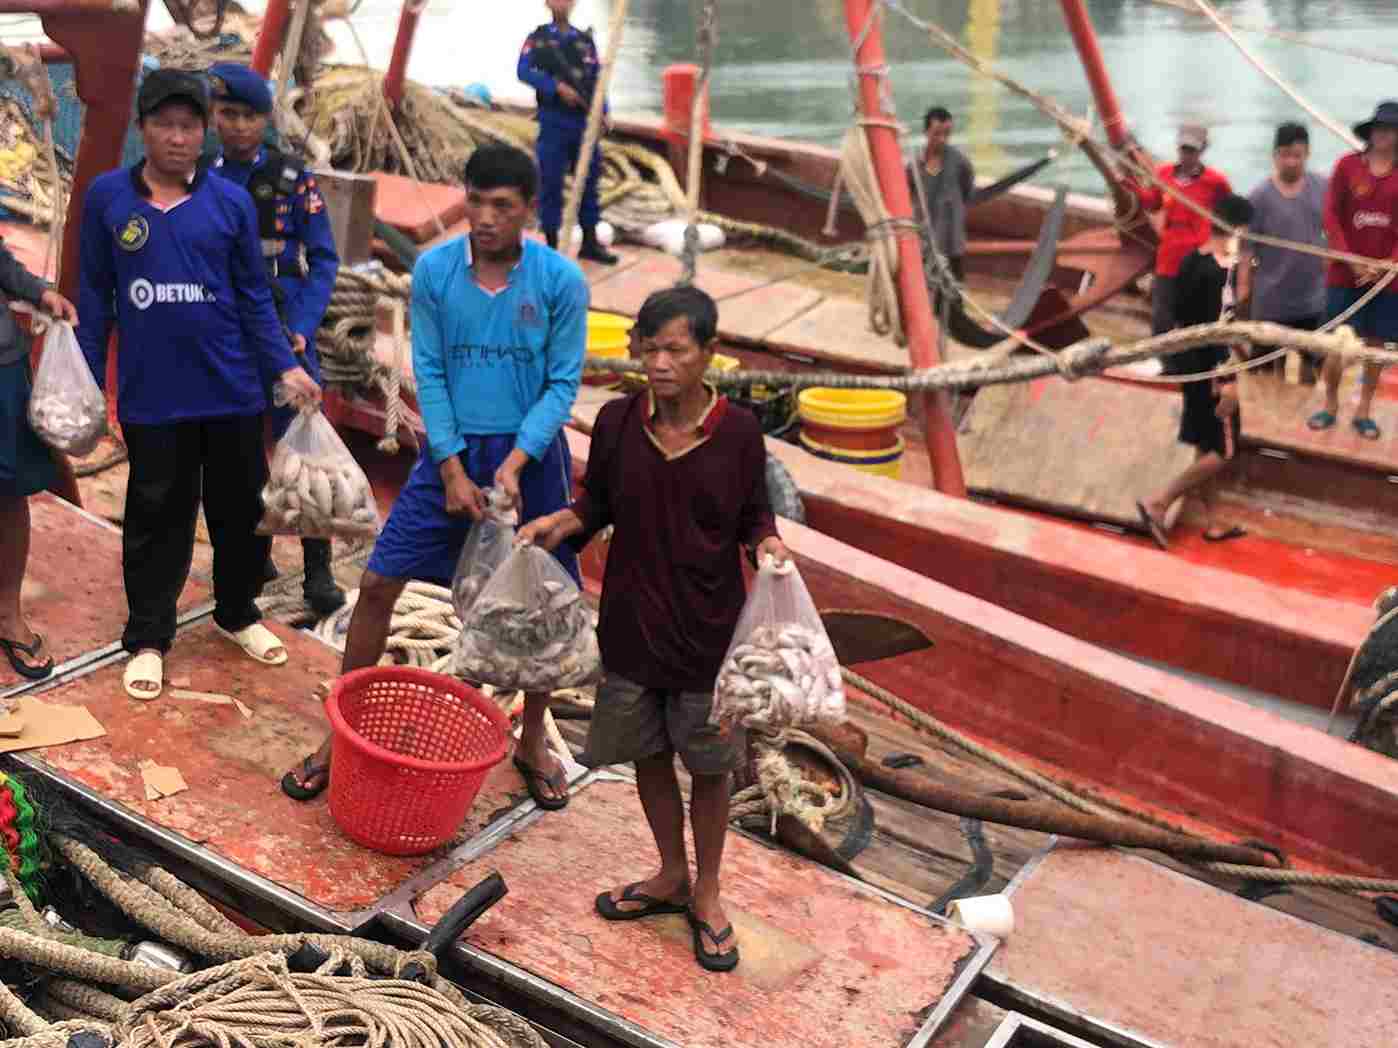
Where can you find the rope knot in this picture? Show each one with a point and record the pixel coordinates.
(1082, 359)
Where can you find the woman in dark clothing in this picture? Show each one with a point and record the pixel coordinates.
(26, 465)
(1210, 421)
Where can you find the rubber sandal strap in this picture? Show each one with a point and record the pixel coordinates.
(146, 667)
(257, 641)
(13, 649)
(293, 782)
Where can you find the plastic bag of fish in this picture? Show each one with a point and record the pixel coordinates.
(66, 406)
(781, 670)
(487, 546)
(315, 489)
(529, 629)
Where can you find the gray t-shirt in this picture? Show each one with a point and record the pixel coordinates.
(947, 193)
(1288, 285)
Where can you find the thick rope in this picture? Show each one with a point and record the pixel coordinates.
(860, 178)
(188, 901)
(86, 999)
(394, 415)
(1340, 131)
(1186, 7)
(593, 131)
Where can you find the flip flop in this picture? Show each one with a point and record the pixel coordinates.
(13, 649)
(1366, 428)
(1234, 532)
(145, 667)
(1157, 533)
(650, 905)
(306, 771)
(1321, 420)
(713, 962)
(535, 780)
(258, 642)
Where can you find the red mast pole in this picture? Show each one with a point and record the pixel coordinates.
(1090, 54)
(915, 305)
(269, 37)
(402, 47)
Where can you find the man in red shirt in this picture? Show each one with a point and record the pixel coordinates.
(1183, 229)
(681, 474)
(1361, 218)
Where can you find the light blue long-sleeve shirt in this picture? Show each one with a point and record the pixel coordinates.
(503, 362)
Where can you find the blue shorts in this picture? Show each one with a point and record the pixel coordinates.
(1378, 320)
(422, 541)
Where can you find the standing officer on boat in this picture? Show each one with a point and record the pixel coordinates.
(560, 63)
(297, 246)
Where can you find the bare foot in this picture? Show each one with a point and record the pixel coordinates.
(710, 911)
(551, 780)
(24, 637)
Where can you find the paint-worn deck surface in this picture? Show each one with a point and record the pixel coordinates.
(1085, 449)
(1137, 948)
(233, 806)
(824, 962)
(1275, 415)
(73, 591)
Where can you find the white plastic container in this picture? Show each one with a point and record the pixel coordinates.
(989, 914)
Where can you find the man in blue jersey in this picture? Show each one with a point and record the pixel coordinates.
(170, 257)
(499, 328)
(560, 62)
(297, 246)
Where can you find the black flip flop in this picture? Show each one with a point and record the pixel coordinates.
(650, 905)
(308, 770)
(534, 779)
(712, 962)
(13, 649)
(1234, 532)
(1157, 533)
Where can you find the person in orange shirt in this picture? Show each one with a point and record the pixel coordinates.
(1183, 228)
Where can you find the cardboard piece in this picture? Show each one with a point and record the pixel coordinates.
(161, 781)
(11, 724)
(213, 698)
(45, 725)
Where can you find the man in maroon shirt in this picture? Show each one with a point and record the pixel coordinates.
(679, 473)
(1361, 218)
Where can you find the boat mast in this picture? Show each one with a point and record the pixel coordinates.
(1090, 54)
(914, 302)
(269, 36)
(402, 45)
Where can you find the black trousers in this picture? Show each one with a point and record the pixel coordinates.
(172, 466)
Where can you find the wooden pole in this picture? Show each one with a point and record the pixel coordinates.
(402, 46)
(593, 132)
(1090, 54)
(269, 36)
(915, 304)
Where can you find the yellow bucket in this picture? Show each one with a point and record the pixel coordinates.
(880, 462)
(861, 409)
(608, 335)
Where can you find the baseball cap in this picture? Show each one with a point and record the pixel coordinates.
(161, 85)
(1195, 136)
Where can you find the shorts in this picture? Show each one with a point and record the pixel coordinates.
(26, 464)
(1378, 320)
(631, 722)
(1200, 425)
(422, 541)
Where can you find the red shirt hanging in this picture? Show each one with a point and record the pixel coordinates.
(1184, 229)
(1361, 216)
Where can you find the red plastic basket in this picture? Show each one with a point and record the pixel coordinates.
(411, 751)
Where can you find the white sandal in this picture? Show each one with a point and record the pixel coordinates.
(259, 643)
(145, 667)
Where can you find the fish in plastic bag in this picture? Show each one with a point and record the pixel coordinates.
(315, 489)
(487, 546)
(66, 406)
(780, 670)
(529, 628)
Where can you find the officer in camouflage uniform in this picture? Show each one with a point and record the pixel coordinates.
(560, 63)
(297, 246)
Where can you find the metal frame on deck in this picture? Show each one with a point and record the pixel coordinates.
(1012, 1034)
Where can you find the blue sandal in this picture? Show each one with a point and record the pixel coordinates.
(1321, 420)
(1366, 428)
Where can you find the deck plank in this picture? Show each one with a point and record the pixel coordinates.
(823, 961)
(1132, 946)
(233, 806)
(1085, 449)
(73, 592)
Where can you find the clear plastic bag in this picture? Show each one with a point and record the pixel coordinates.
(487, 546)
(529, 629)
(315, 489)
(780, 670)
(66, 407)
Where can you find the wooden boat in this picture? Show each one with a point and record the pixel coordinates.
(1109, 947)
